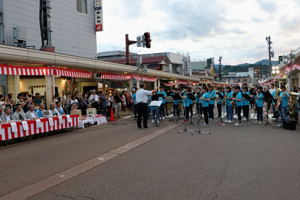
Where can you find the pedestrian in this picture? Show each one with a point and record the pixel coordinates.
(142, 108)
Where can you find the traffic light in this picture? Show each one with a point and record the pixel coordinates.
(98, 75)
(280, 58)
(147, 40)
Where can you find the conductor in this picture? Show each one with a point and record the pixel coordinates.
(142, 107)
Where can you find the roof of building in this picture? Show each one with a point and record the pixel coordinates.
(146, 60)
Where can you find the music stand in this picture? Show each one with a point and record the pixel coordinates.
(156, 104)
(193, 132)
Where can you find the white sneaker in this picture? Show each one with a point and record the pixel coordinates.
(238, 124)
(244, 119)
(229, 122)
(210, 119)
(153, 121)
(279, 125)
(226, 121)
(259, 122)
(163, 118)
(204, 124)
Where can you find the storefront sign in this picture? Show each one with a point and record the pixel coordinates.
(98, 15)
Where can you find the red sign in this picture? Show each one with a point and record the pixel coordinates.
(99, 27)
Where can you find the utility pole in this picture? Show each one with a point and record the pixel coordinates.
(271, 54)
(220, 68)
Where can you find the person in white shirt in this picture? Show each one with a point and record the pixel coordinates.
(19, 115)
(7, 115)
(142, 107)
(30, 113)
(94, 97)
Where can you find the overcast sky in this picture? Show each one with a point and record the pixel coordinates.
(234, 29)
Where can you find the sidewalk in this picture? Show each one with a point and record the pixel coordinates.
(25, 163)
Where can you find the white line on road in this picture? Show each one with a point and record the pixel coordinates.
(45, 184)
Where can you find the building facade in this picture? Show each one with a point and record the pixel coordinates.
(72, 25)
(236, 77)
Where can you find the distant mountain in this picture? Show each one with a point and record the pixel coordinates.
(266, 62)
(244, 67)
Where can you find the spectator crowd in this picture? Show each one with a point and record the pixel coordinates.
(27, 106)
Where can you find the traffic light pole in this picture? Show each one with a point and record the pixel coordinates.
(128, 43)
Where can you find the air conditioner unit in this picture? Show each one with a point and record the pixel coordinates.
(20, 36)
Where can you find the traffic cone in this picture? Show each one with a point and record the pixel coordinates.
(111, 116)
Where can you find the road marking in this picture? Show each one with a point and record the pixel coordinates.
(47, 183)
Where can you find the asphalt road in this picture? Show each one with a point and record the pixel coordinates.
(28, 162)
(233, 163)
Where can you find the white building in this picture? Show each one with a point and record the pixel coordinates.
(72, 24)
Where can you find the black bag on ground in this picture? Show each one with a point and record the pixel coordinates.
(290, 125)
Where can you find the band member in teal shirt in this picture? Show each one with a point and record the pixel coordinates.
(229, 108)
(220, 98)
(246, 102)
(284, 104)
(205, 104)
(212, 97)
(259, 102)
(239, 103)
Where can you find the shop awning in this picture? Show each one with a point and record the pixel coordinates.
(43, 71)
(72, 73)
(292, 68)
(144, 78)
(123, 77)
(25, 71)
(117, 77)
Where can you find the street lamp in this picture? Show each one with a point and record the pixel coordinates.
(271, 54)
(275, 70)
(220, 66)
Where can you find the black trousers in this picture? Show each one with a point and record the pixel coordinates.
(135, 110)
(142, 111)
(201, 109)
(259, 111)
(187, 113)
(239, 110)
(205, 112)
(191, 110)
(246, 111)
(211, 111)
(219, 110)
(198, 108)
(176, 110)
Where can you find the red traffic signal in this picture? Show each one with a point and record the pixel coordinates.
(147, 40)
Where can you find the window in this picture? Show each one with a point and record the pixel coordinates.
(82, 6)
